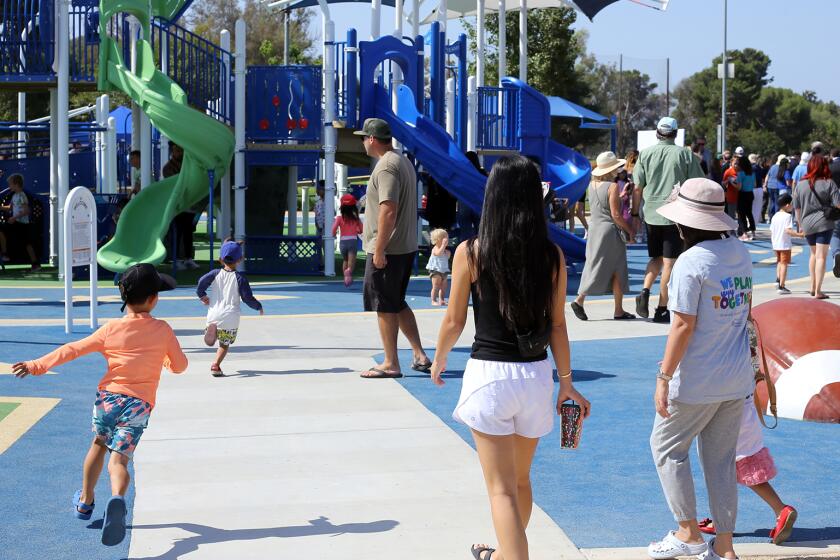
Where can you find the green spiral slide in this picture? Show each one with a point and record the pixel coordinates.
(208, 144)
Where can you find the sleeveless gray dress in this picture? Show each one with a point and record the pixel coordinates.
(606, 252)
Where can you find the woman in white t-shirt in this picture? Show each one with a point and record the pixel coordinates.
(705, 375)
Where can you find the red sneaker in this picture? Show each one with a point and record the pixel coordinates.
(706, 526)
(784, 525)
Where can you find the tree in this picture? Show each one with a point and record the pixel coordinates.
(264, 42)
(628, 94)
(553, 49)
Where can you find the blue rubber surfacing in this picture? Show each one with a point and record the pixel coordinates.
(607, 492)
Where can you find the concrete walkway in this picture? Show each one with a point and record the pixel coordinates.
(294, 456)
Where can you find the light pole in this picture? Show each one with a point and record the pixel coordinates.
(723, 92)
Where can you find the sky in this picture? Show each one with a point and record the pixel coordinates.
(690, 33)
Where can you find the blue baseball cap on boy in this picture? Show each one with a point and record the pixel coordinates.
(231, 252)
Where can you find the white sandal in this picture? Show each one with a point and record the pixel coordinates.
(671, 547)
(710, 553)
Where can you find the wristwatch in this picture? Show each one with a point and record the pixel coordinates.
(665, 376)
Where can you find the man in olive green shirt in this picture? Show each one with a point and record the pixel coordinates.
(658, 169)
(390, 241)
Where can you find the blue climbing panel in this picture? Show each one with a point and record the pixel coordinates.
(284, 104)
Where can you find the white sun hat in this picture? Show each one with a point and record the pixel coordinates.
(606, 163)
(699, 204)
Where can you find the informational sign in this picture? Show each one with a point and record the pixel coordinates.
(647, 138)
(79, 249)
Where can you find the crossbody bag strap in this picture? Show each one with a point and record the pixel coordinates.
(820, 200)
(768, 383)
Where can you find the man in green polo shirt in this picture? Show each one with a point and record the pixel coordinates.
(658, 169)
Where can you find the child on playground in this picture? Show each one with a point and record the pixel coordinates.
(350, 227)
(438, 265)
(17, 223)
(136, 347)
(781, 230)
(228, 288)
(753, 463)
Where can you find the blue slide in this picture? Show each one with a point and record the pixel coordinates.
(444, 161)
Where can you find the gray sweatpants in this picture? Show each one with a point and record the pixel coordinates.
(716, 428)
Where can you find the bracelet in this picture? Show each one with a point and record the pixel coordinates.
(662, 375)
(566, 376)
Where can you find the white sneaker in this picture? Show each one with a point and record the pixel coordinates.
(783, 291)
(190, 264)
(671, 547)
(710, 553)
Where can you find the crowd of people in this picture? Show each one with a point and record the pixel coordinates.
(516, 279)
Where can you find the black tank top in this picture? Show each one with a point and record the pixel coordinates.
(494, 340)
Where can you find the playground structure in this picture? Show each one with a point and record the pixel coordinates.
(279, 124)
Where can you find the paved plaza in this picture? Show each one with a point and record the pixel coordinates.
(292, 455)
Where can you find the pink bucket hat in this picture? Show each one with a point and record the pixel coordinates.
(699, 204)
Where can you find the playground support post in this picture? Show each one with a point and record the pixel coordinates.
(450, 106)
(441, 17)
(55, 222)
(329, 138)
(502, 41)
(722, 140)
(211, 179)
(480, 42)
(415, 20)
(111, 154)
(145, 125)
(224, 222)
(287, 14)
(63, 105)
(164, 68)
(21, 135)
(472, 108)
(396, 71)
(375, 9)
(523, 40)
(291, 199)
(239, 129)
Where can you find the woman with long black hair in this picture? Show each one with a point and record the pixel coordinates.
(517, 279)
(746, 195)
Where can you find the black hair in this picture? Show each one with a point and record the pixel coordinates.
(513, 252)
(136, 152)
(745, 165)
(349, 212)
(783, 167)
(784, 200)
(473, 157)
(666, 136)
(835, 152)
(692, 236)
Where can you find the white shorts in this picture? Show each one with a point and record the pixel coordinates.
(504, 398)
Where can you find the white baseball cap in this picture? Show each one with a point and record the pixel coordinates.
(739, 151)
(667, 125)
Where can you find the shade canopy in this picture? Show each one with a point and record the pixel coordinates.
(564, 108)
(460, 8)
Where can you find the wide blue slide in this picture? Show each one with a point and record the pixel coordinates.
(443, 159)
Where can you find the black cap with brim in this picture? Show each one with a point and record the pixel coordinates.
(378, 128)
(143, 280)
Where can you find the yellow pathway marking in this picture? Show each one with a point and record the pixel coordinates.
(772, 260)
(6, 369)
(26, 415)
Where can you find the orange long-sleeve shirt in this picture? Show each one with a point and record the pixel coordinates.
(136, 347)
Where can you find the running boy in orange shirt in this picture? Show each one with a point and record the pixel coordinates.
(136, 347)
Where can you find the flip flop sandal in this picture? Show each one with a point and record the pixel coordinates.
(477, 552)
(423, 368)
(113, 528)
(216, 371)
(707, 526)
(81, 509)
(822, 296)
(577, 309)
(670, 547)
(377, 373)
(625, 317)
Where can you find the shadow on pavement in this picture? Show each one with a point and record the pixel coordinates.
(204, 535)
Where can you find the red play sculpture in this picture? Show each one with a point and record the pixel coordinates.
(800, 339)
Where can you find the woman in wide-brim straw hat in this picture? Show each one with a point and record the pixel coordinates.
(706, 373)
(605, 270)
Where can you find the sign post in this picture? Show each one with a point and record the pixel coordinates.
(79, 249)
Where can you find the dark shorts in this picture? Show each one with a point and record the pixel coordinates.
(384, 288)
(348, 247)
(664, 241)
(821, 237)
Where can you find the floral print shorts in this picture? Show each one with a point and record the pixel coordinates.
(119, 421)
